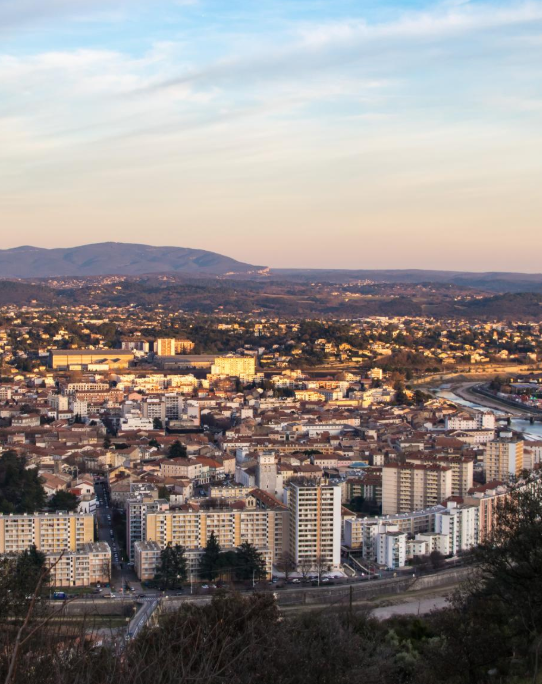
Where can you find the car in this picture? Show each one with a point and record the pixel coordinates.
(141, 596)
(324, 579)
(296, 580)
(205, 586)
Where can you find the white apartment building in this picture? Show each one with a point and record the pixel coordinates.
(481, 420)
(460, 524)
(315, 522)
(391, 549)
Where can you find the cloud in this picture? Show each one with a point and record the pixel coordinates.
(19, 13)
(334, 44)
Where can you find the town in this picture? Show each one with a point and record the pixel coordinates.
(284, 452)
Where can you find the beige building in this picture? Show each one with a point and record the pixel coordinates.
(80, 359)
(234, 366)
(413, 486)
(503, 460)
(191, 528)
(49, 532)
(89, 565)
(315, 522)
(462, 469)
(164, 346)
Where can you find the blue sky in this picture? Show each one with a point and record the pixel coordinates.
(289, 133)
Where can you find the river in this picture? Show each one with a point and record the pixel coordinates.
(531, 431)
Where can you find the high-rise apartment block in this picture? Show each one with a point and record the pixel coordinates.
(315, 522)
(164, 346)
(503, 460)
(413, 486)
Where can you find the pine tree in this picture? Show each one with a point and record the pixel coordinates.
(250, 562)
(173, 567)
(209, 565)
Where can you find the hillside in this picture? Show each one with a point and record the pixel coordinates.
(114, 258)
(284, 299)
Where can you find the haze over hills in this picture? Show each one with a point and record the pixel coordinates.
(114, 258)
(136, 260)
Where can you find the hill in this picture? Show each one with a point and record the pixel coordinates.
(115, 258)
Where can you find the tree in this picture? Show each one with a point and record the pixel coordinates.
(510, 568)
(157, 424)
(172, 571)
(63, 501)
(21, 490)
(321, 565)
(437, 560)
(177, 450)
(107, 442)
(286, 564)
(305, 566)
(250, 563)
(154, 443)
(209, 565)
(19, 577)
(164, 493)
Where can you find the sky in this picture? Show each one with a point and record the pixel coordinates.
(288, 133)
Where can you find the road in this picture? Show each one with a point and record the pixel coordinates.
(120, 572)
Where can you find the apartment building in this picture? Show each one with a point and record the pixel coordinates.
(49, 532)
(315, 522)
(487, 499)
(181, 467)
(462, 469)
(164, 346)
(413, 486)
(234, 366)
(137, 510)
(391, 549)
(460, 523)
(481, 420)
(503, 460)
(360, 533)
(191, 527)
(88, 565)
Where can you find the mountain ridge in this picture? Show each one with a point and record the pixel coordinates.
(114, 258)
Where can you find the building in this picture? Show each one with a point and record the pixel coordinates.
(462, 469)
(164, 347)
(267, 477)
(487, 499)
(391, 549)
(137, 510)
(48, 532)
(460, 524)
(315, 522)
(183, 346)
(503, 460)
(360, 533)
(413, 486)
(91, 564)
(191, 527)
(81, 359)
(234, 366)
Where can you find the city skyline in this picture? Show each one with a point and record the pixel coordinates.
(279, 133)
